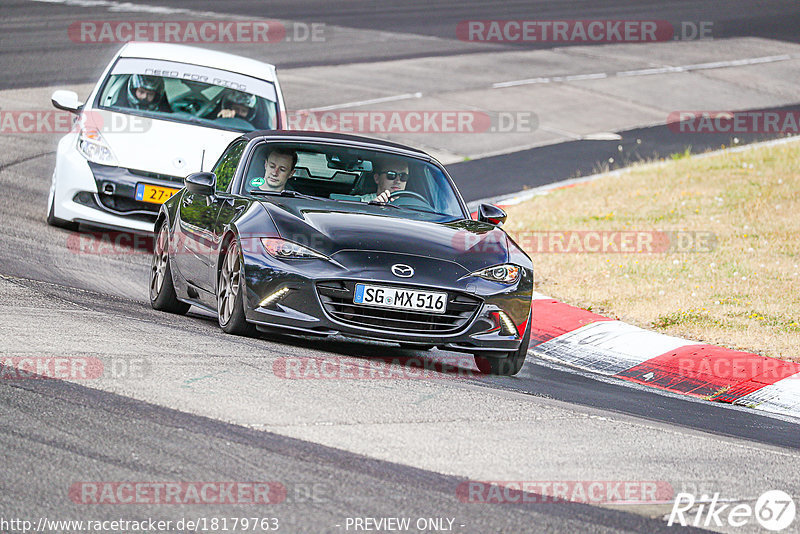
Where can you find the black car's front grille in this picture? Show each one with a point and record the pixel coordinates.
(337, 298)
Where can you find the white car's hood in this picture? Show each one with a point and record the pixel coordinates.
(161, 146)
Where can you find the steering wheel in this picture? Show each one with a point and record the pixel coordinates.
(410, 194)
(189, 104)
(209, 106)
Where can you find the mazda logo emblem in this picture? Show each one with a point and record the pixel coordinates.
(403, 271)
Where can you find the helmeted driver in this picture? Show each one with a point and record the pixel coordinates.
(146, 93)
(237, 104)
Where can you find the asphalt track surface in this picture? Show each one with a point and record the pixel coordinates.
(325, 484)
(54, 433)
(573, 159)
(34, 50)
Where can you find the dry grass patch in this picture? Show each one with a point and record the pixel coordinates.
(744, 294)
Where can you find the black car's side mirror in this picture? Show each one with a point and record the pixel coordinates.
(202, 183)
(491, 214)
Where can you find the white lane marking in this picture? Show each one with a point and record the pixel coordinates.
(609, 347)
(648, 72)
(603, 136)
(707, 66)
(553, 79)
(393, 98)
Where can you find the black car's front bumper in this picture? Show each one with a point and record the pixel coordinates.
(316, 297)
(117, 188)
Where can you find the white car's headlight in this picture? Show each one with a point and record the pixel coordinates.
(282, 249)
(94, 148)
(507, 273)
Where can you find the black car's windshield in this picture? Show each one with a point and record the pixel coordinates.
(412, 187)
(190, 93)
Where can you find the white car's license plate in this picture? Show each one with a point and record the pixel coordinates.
(400, 298)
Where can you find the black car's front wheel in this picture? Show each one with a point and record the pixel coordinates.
(230, 294)
(162, 290)
(509, 365)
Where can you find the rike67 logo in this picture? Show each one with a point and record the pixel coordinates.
(774, 510)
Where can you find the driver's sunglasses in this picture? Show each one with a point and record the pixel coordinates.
(392, 175)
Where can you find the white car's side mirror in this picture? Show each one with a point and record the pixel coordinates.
(66, 100)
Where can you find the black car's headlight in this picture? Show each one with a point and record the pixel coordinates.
(286, 250)
(507, 273)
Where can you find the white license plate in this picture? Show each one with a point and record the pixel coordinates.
(400, 298)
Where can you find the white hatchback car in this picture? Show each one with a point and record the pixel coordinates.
(158, 113)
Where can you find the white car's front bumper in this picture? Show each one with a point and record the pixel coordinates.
(72, 175)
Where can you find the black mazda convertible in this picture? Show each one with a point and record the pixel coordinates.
(320, 234)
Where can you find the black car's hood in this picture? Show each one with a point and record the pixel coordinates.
(337, 227)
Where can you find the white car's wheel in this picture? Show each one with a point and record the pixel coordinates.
(52, 220)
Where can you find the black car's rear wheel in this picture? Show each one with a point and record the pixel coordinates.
(508, 366)
(162, 290)
(230, 294)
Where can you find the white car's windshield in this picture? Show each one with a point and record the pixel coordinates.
(190, 93)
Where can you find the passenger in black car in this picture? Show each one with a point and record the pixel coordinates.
(278, 168)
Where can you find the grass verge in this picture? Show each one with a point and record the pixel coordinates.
(740, 289)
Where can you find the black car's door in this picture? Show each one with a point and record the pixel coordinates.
(197, 216)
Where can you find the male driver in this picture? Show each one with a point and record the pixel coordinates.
(278, 169)
(390, 176)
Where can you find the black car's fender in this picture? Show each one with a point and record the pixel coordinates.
(252, 223)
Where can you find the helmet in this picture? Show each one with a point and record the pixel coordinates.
(151, 83)
(233, 96)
